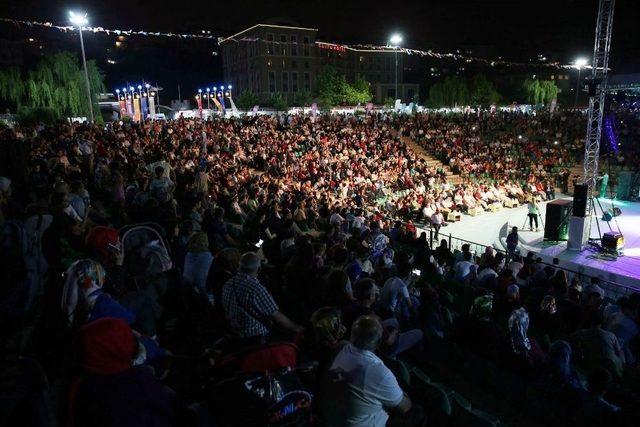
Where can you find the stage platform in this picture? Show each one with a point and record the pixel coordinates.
(491, 228)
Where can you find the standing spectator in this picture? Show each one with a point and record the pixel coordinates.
(436, 221)
(512, 243)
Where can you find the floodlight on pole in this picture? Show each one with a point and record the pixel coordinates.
(80, 19)
(394, 41)
(580, 63)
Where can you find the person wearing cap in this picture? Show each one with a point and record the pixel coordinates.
(249, 307)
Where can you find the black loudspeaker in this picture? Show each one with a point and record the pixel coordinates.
(612, 241)
(580, 200)
(556, 221)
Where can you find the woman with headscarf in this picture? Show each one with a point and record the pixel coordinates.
(113, 389)
(83, 298)
(328, 332)
(478, 332)
(522, 346)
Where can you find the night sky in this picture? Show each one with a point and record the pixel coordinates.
(562, 29)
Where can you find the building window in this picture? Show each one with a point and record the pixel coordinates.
(306, 64)
(307, 47)
(294, 46)
(285, 81)
(269, 63)
(307, 81)
(294, 81)
(272, 81)
(294, 64)
(269, 44)
(283, 45)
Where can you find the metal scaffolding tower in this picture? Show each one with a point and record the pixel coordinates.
(580, 227)
(597, 90)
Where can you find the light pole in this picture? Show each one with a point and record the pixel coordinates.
(208, 98)
(80, 20)
(394, 41)
(580, 63)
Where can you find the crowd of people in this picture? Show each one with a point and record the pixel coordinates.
(146, 266)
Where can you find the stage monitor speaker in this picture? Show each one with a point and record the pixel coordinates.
(556, 221)
(612, 241)
(580, 193)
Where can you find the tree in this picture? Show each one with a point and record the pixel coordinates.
(247, 100)
(330, 86)
(540, 91)
(453, 91)
(359, 92)
(302, 98)
(278, 102)
(483, 92)
(56, 83)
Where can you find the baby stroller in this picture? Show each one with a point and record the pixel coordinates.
(267, 380)
(145, 248)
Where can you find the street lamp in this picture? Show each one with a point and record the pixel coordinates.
(80, 20)
(579, 64)
(394, 41)
(208, 98)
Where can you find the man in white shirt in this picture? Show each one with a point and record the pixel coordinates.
(464, 268)
(362, 389)
(396, 290)
(436, 221)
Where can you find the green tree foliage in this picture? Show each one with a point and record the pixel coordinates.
(278, 102)
(247, 100)
(540, 91)
(57, 83)
(483, 92)
(456, 91)
(453, 91)
(359, 92)
(302, 98)
(331, 88)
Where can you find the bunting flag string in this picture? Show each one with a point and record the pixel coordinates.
(206, 35)
(408, 51)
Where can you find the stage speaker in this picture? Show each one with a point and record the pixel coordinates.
(578, 233)
(580, 192)
(556, 220)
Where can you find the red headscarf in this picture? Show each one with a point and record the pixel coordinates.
(108, 346)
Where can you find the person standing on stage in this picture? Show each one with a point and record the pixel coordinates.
(534, 211)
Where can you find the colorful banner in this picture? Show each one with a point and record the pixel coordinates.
(152, 106)
(217, 103)
(123, 106)
(199, 102)
(221, 98)
(129, 106)
(136, 108)
(145, 107)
